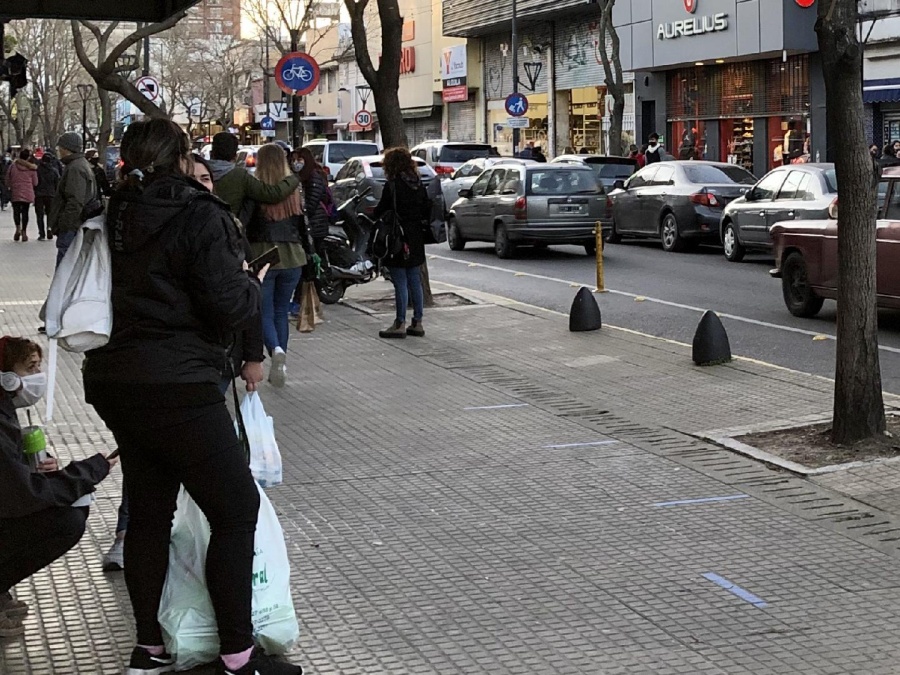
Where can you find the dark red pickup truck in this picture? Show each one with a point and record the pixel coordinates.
(806, 254)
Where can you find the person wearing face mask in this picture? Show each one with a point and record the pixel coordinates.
(654, 151)
(38, 523)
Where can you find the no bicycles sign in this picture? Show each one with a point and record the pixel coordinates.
(297, 73)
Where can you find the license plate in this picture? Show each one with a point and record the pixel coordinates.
(570, 209)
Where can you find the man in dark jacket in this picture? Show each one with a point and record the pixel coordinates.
(235, 185)
(77, 188)
(654, 151)
(38, 522)
(48, 183)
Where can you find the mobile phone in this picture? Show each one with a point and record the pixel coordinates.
(270, 257)
(113, 454)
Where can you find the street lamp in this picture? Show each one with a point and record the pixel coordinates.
(84, 91)
(363, 91)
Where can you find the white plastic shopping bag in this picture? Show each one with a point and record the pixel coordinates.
(186, 613)
(265, 459)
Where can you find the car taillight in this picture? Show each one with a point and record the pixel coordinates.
(520, 208)
(250, 161)
(833, 209)
(705, 198)
(609, 203)
(442, 170)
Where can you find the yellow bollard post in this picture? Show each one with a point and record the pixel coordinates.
(598, 236)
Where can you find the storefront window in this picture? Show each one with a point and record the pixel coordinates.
(584, 120)
(501, 134)
(688, 140)
(736, 137)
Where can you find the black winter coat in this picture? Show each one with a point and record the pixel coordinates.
(179, 292)
(22, 492)
(414, 213)
(313, 194)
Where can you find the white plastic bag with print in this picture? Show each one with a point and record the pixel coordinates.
(265, 459)
(186, 613)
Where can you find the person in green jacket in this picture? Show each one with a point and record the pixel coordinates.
(234, 184)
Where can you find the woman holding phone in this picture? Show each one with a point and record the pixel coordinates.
(180, 291)
(282, 227)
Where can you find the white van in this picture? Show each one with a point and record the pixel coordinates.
(334, 154)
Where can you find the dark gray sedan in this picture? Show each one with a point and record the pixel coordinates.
(679, 203)
(792, 192)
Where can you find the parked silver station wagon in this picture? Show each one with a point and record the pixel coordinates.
(534, 204)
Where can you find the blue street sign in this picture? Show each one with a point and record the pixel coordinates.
(267, 124)
(297, 74)
(516, 104)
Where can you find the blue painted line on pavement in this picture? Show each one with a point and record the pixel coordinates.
(702, 500)
(578, 445)
(742, 593)
(498, 407)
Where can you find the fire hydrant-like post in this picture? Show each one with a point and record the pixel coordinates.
(598, 235)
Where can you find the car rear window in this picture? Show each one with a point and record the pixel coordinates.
(565, 182)
(704, 173)
(339, 153)
(611, 170)
(831, 180)
(457, 154)
(426, 173)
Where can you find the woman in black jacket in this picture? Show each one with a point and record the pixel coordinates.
(38, 523)
(315, 192)
(405, 197)
(180, 291)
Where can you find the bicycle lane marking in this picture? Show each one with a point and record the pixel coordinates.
(658, 301)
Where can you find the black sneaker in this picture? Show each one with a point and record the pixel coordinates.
(261, 664)
(144, 663)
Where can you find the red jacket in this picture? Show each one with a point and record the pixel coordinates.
(22, 179)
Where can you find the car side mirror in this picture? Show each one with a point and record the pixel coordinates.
(750, 195)
(465, 193)
(619, 184)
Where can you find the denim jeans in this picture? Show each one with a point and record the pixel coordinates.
(277, 290)
(408, 282)
(63, 242)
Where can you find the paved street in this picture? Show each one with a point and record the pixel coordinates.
(677, 287)
(507, 497)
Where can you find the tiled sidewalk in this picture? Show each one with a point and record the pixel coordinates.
(506, 497)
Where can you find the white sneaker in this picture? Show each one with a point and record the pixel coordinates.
(114, 560)
(278, 371)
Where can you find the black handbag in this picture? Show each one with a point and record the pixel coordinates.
(389, 235)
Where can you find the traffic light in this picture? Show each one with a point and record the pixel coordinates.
(13, 70)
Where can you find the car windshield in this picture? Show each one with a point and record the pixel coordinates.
(457, 154)
(610, 171)
(706, 173)
(831, 180)
(338, 153)
(566, 182)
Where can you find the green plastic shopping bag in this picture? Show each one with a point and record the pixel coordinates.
(186, 613)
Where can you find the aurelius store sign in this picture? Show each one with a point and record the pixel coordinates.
(692, 25)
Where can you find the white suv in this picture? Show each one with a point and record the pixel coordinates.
(334, 154)
(445, 157)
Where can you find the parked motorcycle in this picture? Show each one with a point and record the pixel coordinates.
(348, 259)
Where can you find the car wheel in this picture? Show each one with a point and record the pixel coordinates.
(330, 290)
(799, 297)
(613, 237)
(454, 237)
(502, 245)
(734, 249)
(669, 234)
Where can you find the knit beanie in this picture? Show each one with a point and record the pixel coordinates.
(70, 141)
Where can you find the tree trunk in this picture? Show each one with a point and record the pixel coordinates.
(426, 285)
(616, 147)
(105, 127)
(858, 403)
(613, 77)
(390, 118)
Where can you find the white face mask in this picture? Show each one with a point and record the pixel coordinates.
(29, 389)
(298, 166)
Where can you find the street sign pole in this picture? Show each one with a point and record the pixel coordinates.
(514, 39)
(295, 100)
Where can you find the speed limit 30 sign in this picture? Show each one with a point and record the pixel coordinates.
(363, 119)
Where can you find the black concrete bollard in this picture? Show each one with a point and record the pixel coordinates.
(585, 313)
(711, 346)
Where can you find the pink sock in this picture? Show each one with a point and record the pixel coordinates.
(237, 661)
(156, 650)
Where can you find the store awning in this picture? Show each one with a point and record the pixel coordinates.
(95, 10)
(881, 91)
(417, 113)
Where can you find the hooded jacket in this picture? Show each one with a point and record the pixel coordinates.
(48, 176)
(179, 293)
(23, 492)
(76, 189)
(22, 178)
(234, 185)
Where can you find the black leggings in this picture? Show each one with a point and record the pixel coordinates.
(161, 450)
(20, 213)
(29, 544)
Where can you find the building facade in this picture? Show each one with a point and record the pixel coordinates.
(214, 18)
(727, 80)
(880, 30)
